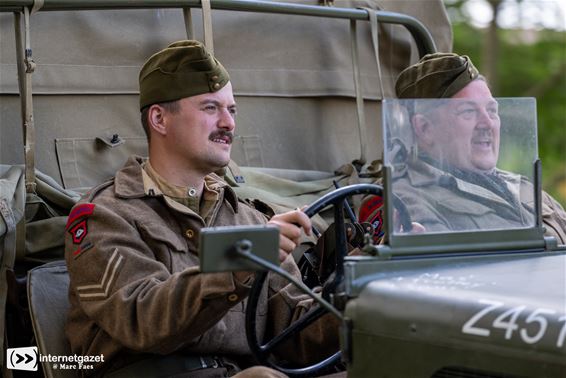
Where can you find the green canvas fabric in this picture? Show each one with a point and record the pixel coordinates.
(48, 287)
(85, 162)
(12, 192)
(12, 202)
(32, 227)
(45, 218)
(296, 106)
(43, 215)
(302, 56)
(282, 194)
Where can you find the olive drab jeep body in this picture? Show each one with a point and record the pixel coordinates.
(314, 82)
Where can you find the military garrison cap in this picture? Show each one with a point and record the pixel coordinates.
(183, 69)
(439, 75)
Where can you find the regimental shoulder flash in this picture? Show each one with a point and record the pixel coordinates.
(77, 222)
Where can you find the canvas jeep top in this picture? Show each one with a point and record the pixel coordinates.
(314, 82)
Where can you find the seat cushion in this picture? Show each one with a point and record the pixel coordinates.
(48, 287)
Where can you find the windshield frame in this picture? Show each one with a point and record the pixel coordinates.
(521, 239)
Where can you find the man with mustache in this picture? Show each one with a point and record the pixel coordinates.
(136, 291)
(450, 181)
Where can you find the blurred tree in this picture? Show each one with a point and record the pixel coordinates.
(490, 53)
(521, 62)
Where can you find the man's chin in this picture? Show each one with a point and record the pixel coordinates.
(484, 167)
(222, 163)
(485, 163)
(220, 169)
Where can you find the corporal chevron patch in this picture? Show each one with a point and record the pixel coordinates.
(101, 289)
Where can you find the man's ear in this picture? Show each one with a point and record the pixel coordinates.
(156, 119)
(423, 130)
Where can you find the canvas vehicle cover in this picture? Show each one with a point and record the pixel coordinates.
(293, 79)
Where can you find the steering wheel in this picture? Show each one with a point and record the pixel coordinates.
(262, 352)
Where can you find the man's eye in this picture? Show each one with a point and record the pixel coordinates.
(467, 113)
(233, 111)
(210, 108)
(493, 113)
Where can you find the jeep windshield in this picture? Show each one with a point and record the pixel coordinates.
(463, 164)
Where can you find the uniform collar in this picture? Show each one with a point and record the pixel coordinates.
(129, 183)
(425, 174)
(158, 182)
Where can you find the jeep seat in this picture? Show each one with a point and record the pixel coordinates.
(48, 287)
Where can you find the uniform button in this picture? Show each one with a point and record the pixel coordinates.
(190, 233)
(216, 85)
(214, 78)
(233, 297)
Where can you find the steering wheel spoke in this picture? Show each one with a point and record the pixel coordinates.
(263, 352)
(311, 316)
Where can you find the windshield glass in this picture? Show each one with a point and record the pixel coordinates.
(463, 164)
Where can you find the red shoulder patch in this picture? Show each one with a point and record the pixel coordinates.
(79, 231)
(79, 212)
(371, 211)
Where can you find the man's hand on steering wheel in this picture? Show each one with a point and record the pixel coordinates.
(290, 225)
(263, 349)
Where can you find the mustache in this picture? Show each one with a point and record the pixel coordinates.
(222, 134)
(483, 134)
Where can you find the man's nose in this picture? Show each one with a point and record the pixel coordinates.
(227, 120)
(484, 118)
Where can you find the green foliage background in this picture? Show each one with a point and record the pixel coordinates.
(534, 69)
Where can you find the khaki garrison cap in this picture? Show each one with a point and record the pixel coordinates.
(183, 69)
(439, 75)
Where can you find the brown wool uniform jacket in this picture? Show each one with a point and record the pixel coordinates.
(441, 202)
(136, 287)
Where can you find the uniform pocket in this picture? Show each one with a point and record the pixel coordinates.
(465, 206)
(158, 235)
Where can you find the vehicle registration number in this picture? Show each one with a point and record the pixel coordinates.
(527, 324)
